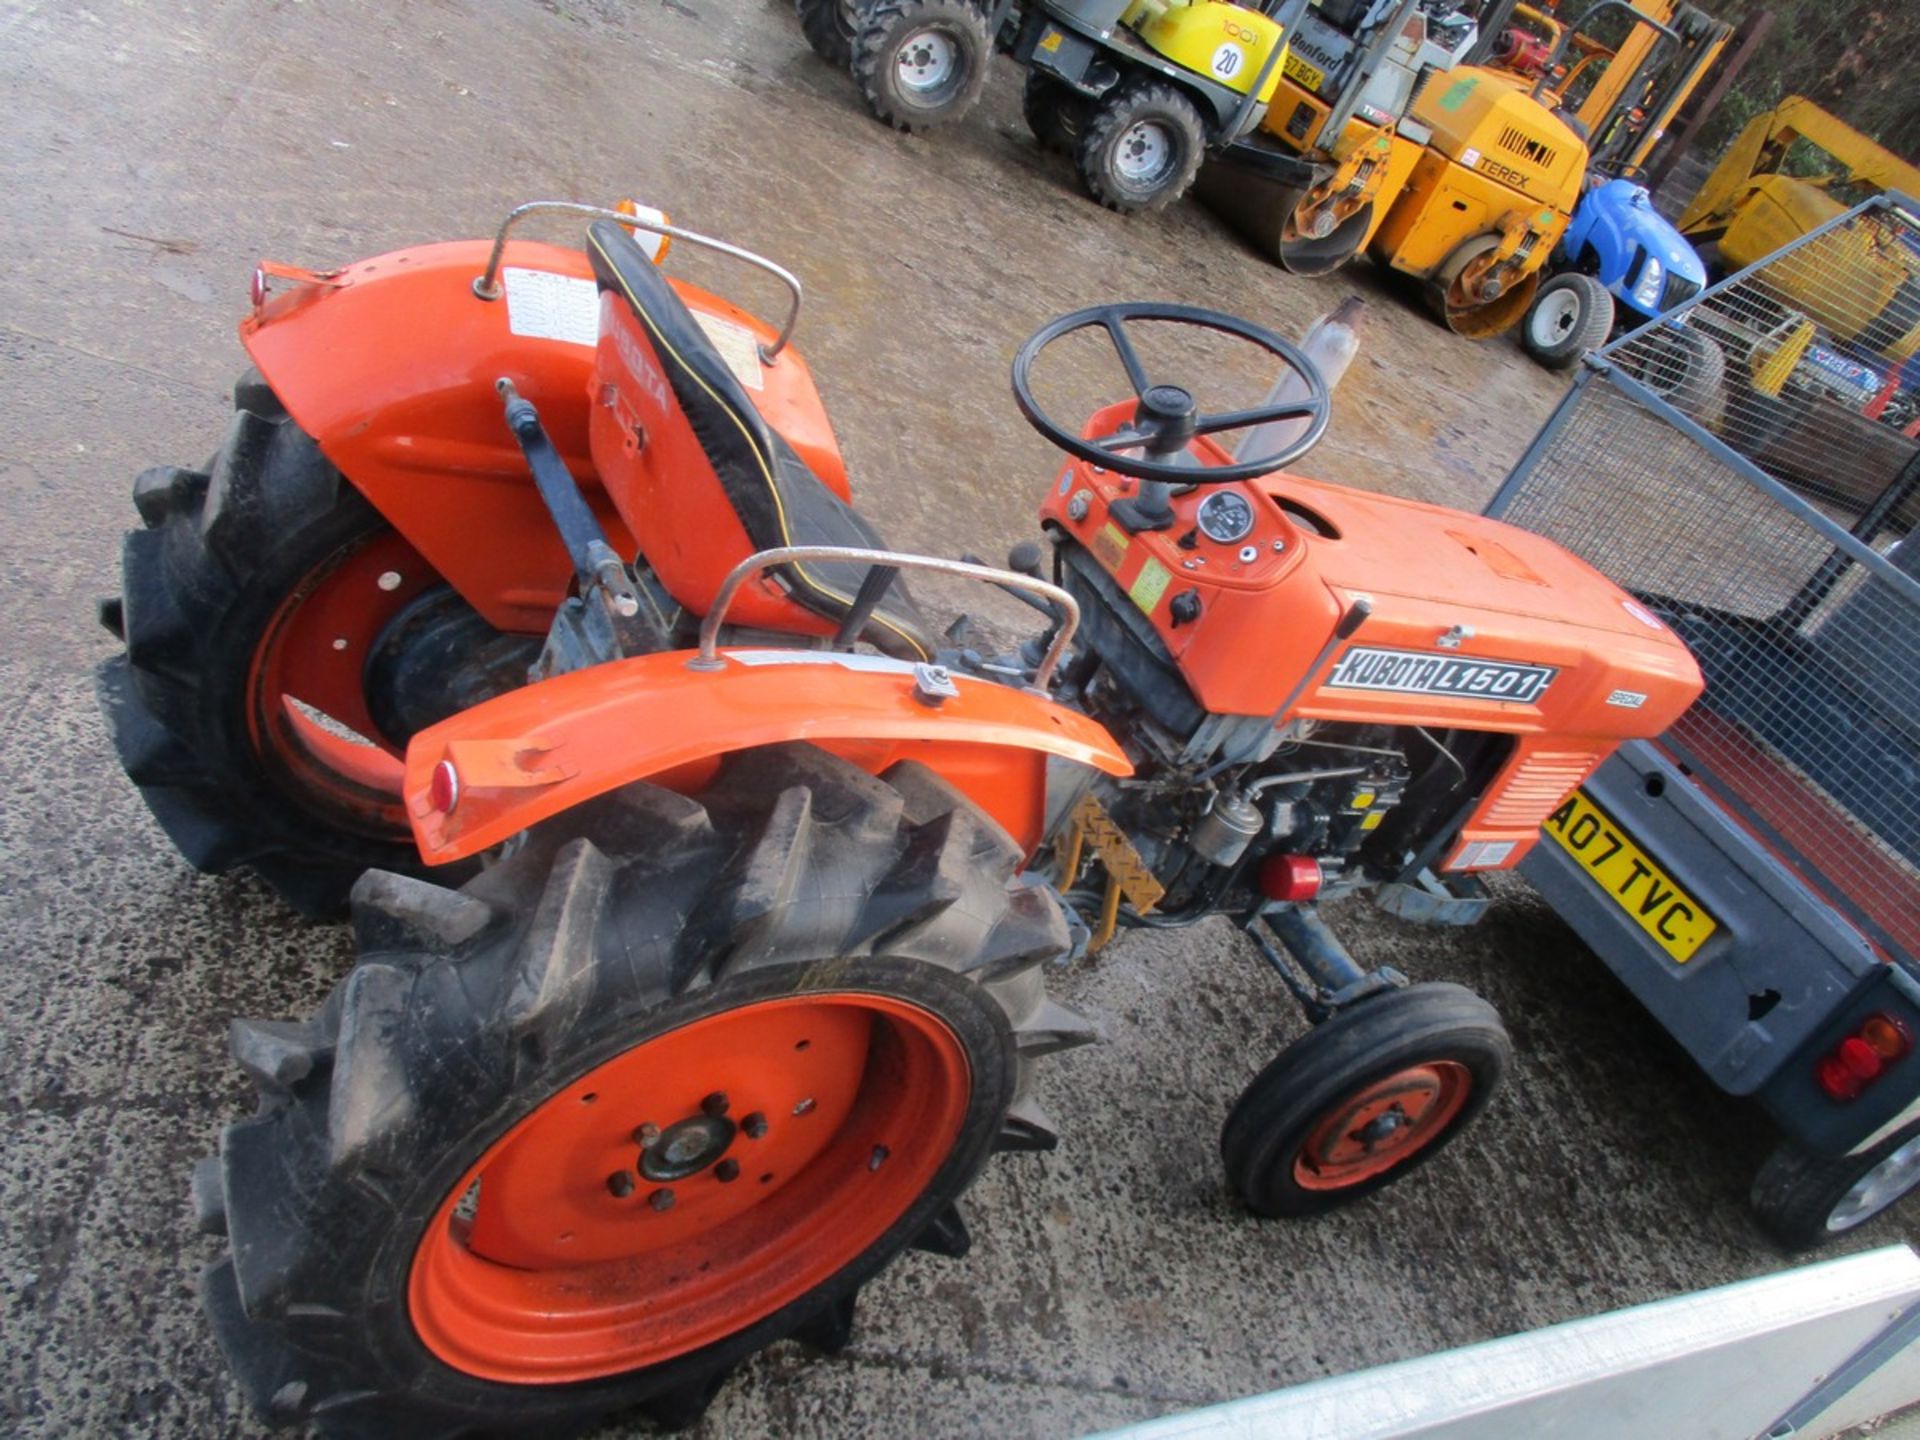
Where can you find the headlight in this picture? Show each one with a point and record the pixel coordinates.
(1646, 293)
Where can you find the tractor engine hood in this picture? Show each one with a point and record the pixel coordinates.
(1616, 222)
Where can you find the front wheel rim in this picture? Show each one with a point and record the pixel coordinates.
(1554, 318)
(789, 1135)
(1874, 1191)
(1382, 1125)
(926, 64)
(1144, 153)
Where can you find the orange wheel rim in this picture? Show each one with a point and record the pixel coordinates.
(307, 701)
(786, 1137)
(1383, 1124)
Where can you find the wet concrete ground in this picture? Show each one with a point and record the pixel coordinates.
(152, 153)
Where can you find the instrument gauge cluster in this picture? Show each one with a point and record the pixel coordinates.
(1225, 517)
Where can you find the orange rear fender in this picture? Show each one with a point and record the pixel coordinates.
(389, 364)
(491, 771)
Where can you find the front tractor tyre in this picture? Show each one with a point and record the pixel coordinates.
(1804, 1200)
(282, 642)
(830, 26)
(921, 63)
(1682, 366)
(1362, 1099)
(666, 1084)
(1571, 315)
(1141, 147)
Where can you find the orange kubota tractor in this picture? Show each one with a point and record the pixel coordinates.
(703, 900)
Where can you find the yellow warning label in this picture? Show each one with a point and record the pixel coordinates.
(1050, 41)
(1149, 585)
(1110, 545)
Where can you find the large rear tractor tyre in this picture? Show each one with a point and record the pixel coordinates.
(1055, 112)
(1361, 1100)
(1804, 1200)
(921, 63)
(1141, 148)
(266, 694)
(830, 26)
(665, 1085)
(1683, 367)
(1571, 315)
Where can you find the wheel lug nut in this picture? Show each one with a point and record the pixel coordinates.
(715, 1105)
(645, 1135)
(727, 1171)
(755, 1125)
(661, 1199)
(620, 1183)
(804, 1107)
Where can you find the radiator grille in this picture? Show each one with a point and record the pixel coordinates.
(1534, 789)
(1516, 140)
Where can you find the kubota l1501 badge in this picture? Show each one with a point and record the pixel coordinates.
(1414, 672)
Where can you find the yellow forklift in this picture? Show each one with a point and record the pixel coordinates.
(1751, 207)
(1454, 148)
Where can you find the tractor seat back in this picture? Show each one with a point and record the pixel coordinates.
(701, 478)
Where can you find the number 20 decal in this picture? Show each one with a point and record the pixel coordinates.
(1227, 61)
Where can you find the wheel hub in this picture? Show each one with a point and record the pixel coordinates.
(687, 1148)
(926, 60)
(1381, 1128)
(552, 1260)
(1143, 151)
(1382, 1125)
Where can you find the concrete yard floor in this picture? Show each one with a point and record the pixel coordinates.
(152, 152)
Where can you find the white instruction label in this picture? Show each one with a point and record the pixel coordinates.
(736, 346)
(544, 306)
(1483, 855)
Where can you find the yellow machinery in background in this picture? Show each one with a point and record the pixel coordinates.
(1750, 207)
(1455, 154)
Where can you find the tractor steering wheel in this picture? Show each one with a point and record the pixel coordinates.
(1167, 417)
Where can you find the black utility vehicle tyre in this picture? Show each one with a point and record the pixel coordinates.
(1420, 1062)
(1141, 148)
(227, 556)
(1804, 1200)
(921, 63)
(830, 26)
(356, 1197)
(1055, 112)
(1571, 314)
(1682, 366)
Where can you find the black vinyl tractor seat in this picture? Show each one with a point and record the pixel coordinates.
(778, 499)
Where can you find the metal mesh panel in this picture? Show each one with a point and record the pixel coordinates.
(1766, 515)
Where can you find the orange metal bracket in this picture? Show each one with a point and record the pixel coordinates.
(535, 752)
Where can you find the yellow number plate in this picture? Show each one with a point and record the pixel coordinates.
(1300, 70)
(1677, 922)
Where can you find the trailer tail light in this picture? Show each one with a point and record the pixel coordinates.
(1860, 1059)
(1292, 878)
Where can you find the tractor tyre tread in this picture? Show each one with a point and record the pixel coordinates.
(1394, 1029)
(1111, 119)
(794, 871)
(213, 558)
(876, 43)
